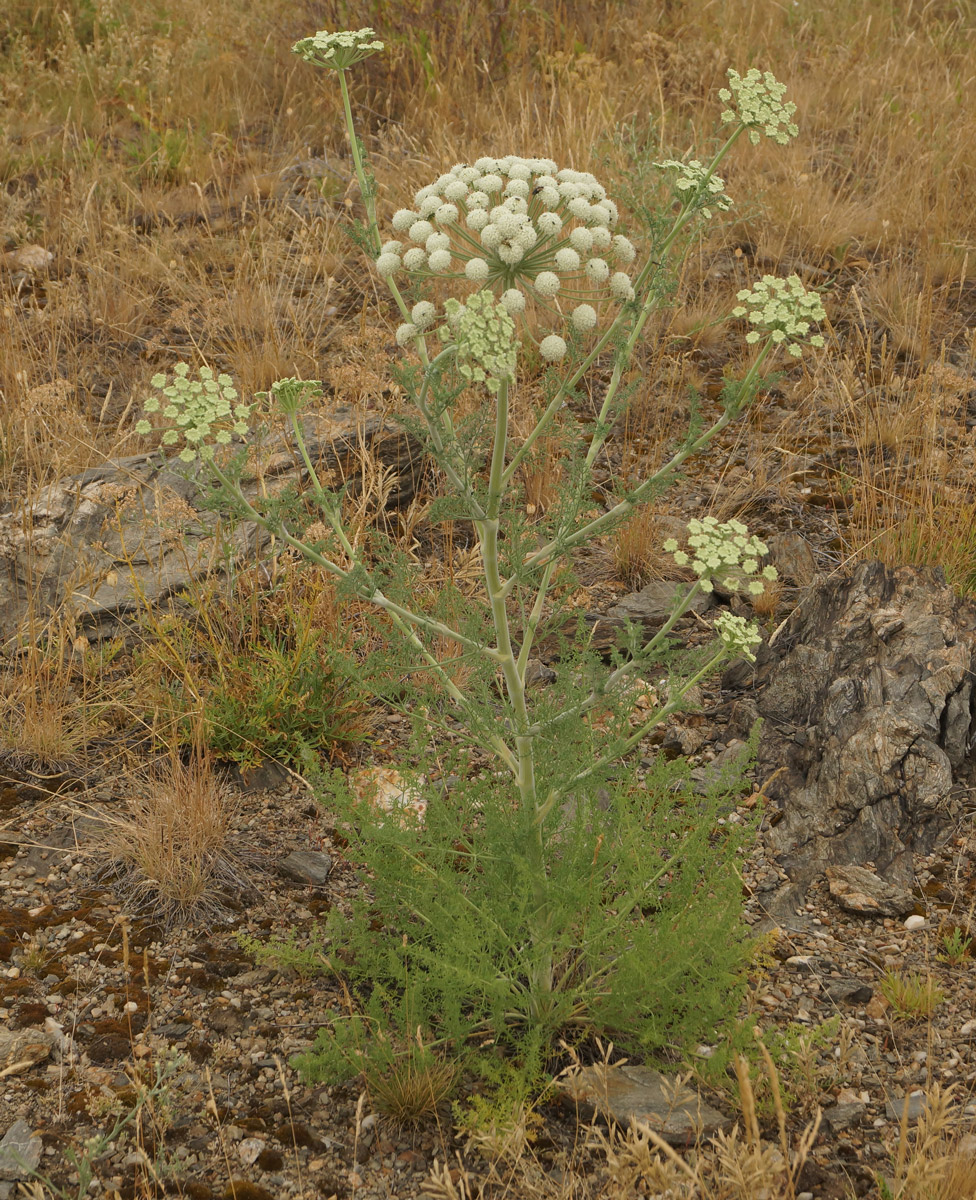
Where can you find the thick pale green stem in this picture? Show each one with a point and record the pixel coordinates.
(514, 677)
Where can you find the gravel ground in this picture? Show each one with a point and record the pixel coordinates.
(89, 1001)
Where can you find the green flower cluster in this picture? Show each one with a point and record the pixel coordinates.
(759, 100)
(530, 232)
(200, 408)
(338, 51)
(725, 551)
(738, 635)
(291, 394)
(484, 334)
(708, 188)
(784, 309)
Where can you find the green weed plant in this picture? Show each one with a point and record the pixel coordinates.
(550, 890)
(259, 677)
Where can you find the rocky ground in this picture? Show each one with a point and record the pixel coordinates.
(93, 1001)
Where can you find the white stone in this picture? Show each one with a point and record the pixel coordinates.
(249, 1149)
(914, 921)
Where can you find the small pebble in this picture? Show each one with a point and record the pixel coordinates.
(914, 921)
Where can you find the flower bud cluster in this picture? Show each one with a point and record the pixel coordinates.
(694, 182)
(338, 51)
(291, 394)
(758, 96)
(784, 309)
(737, 635)
(200, 409)
(531, 233)
(484, 333)
(723, 551)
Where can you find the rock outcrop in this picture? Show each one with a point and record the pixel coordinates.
(98, 548)
(869, 706)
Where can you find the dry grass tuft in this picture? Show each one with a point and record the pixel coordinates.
(637, 552)
(415, 1087)
(912, 996)
(171, 855)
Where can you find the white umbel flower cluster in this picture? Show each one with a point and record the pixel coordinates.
(201, 410)
(338, 51)
(532, 233)
(723, 550)
(784, 309)
(758, 103)
(693, 182)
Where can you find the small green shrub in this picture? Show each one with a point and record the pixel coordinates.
(913, 996)
(268, 674)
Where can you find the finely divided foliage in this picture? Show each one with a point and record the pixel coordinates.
(561, 890)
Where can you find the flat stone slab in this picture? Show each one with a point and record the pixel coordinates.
(307, 866)
(654, 603)
(20, 1151)
(24, 1048)
(864, 892)
(134, 532)
(626, 1094)
(917, 1103)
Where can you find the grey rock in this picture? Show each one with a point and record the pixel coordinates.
(307, 866)
(266, 776)
(176, 1030)
(869, 728)
(725, 770)
(537, 674)
(861, 891)
(849, 991)
(24, 1048)
(894, 1109)
(257, 977)
(632, 1093)
(20, 1151)
(844, 1116)
(792, 557)
(809, 964)
(655, 603)
(133, 532)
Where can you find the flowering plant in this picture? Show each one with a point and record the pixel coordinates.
(783, 309)
(545, 925)
(759, 106)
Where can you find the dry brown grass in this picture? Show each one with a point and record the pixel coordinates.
(171, 853)
(144, 149)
